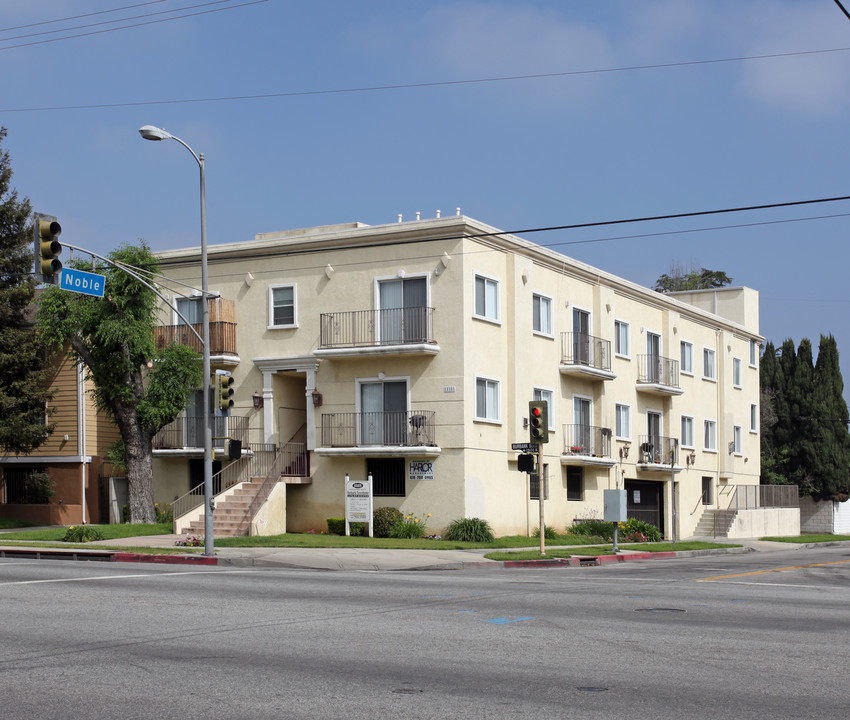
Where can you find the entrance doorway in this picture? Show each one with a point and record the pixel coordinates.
(645, 501)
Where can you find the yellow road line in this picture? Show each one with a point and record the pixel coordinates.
(762, 572)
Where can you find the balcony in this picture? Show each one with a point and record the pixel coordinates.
(657, 453)
(658, 375)
(587, 445)
(408, 433)
(586, 356)
(397, 331)
(222, 333)
(186, 434)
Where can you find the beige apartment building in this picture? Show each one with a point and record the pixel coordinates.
(410, 351)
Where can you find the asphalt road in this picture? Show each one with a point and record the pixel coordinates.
(739, 636)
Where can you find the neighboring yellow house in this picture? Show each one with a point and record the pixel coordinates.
(410, 351)
(73, 456)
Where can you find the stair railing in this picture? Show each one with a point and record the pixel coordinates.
(272, 478)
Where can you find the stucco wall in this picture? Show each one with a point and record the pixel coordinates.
(766, 521)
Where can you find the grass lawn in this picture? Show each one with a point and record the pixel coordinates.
(110, 532)
(807, 538)
(6, 523)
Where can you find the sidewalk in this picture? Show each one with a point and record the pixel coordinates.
(363, 559)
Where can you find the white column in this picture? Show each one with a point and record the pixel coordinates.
(268, 407)
(311, 409)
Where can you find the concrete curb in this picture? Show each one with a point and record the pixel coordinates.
(164, 559)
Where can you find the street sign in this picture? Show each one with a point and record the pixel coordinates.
(82, 282)
(524, 447)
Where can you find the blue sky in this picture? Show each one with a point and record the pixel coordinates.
(596, 140)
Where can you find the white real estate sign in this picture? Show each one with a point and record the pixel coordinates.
(358, 503)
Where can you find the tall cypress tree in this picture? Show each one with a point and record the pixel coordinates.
(24, 380)
(774, 456)
(832, 437)
(804, 423)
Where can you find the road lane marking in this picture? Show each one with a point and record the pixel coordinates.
(763, 572)
(120, 577)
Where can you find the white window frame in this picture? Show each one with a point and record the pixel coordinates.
(538, 318)
(194, 297)
(754, 353)
(705, 426)
(495, 417)
(754, 417)
(708, 352)
(496, 316)
(294, 323)
(687, 420)
(359, 382)
(689, 370)
(737, 373)
(627, 414)
(622, 331)
(737, 440)
(547, 394)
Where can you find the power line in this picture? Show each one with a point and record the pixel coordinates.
(78, 17)
(407, 86)
(843, 9)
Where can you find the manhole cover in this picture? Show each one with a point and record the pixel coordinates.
(659, 610)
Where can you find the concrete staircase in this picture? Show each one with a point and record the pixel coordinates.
(715, 523)
(231, 516)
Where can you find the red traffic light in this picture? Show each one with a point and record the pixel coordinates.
(535, 411)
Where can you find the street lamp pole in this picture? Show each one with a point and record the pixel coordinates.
(149, 132)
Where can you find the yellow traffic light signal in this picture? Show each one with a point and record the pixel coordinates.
(224, 392)
(538, 421)
(47, 248)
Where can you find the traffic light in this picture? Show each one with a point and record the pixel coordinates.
(223, 392)
(47, 248)
(525, 463)
(538, 421)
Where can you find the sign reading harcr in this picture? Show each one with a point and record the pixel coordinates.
(358, 503)
(83, 282)
(420, 470)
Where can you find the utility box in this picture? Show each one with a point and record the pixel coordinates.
(615, 505)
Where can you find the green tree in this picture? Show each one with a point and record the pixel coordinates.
(142, 387)
(23, 357)
(680, 278)
(832, 437)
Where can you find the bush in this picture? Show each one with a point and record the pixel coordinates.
(549, 533)
(38, 488)
(164, 513)
(469, 530)
(633, 527)
(409, 527)
(592, 528)
(336, 526)
(82, 534)
(383, 519)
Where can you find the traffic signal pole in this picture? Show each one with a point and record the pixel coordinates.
(541, 494)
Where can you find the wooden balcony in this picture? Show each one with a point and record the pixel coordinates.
(222, 331)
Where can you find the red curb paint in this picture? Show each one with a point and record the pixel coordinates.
(170, 559)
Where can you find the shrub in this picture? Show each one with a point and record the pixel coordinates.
(383, 519)
(164, 513)
(336, 526)
(39, 488)
(190, 541)
(469, 530)
(549, 533)
(593, 528)
(82, 534)
(633, 527)
(409, 527)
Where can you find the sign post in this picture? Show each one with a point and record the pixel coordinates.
(358, 503)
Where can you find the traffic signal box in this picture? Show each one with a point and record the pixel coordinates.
(223, 392)
(47, 248)
(538, 421)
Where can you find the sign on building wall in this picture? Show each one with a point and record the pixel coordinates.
(420, 470)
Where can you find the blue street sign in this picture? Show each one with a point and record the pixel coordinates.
(82, 282)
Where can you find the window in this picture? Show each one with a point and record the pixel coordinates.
(383, 413)
(623, 421)
(687, 431)
(710, 436)
(387, 476)
(621, 338)
(754, 353)
(487, 399)
(736, 372)
(706, 490)
(486, 298)
(737, 440)
(548, 396)
(542, 314)
(403, 313)
(754, 417)
(575, 483)
(192, 309)
(282, 306)
(709, 368)
(686, 357)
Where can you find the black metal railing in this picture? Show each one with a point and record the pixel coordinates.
(583, 349)
(351, 429)
(188, 432)
(657, 449)
(587, 440)
(361, 328)
(657, 370)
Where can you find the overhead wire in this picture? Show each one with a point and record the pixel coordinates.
(78, 17)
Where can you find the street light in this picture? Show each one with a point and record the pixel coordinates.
(149, 132)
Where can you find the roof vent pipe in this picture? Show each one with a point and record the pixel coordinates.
(400, 217)
(438, 213)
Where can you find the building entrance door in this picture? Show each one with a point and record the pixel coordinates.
(645, 501)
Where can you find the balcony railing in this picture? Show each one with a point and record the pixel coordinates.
(222, 337)
(400, 429)
(587, 440)
(658, 450)
(583, 349)
(362, 328)
(188, 432)
(657, 370)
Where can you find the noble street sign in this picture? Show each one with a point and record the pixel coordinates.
(525, 447)
(82, 282)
